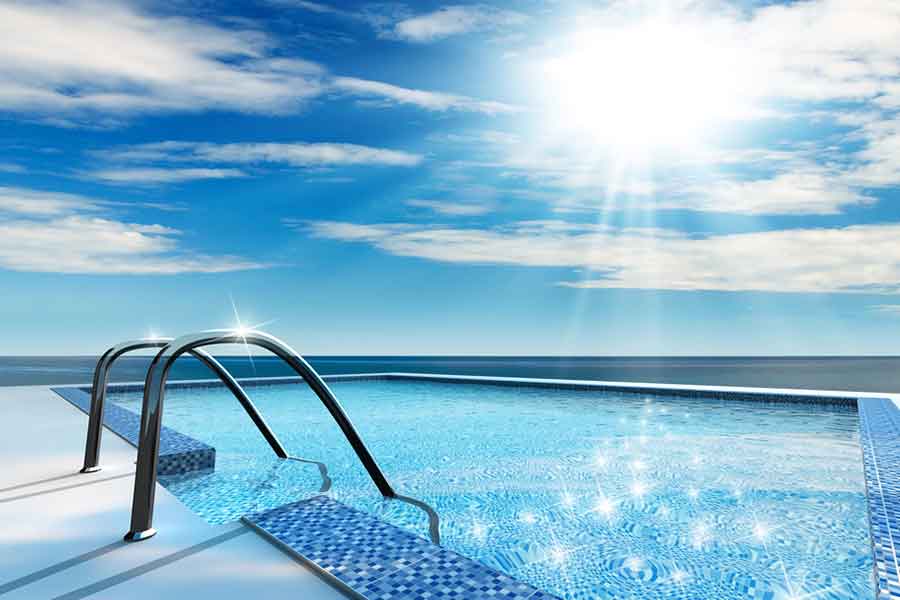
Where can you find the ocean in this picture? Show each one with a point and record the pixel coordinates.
(860, 373)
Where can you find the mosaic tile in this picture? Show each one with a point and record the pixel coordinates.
(178, 453)
(880, 440)
(380, 561)
(446, 575)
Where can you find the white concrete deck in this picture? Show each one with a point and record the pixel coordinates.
(61, 531)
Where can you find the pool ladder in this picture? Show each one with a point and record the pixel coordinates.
(152, 411)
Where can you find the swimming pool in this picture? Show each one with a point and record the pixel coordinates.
(584, 494)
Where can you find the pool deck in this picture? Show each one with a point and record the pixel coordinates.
(61, 531)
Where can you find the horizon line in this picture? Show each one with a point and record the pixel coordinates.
(313, 355)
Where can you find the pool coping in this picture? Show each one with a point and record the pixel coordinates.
(879, 419)
(742, 392)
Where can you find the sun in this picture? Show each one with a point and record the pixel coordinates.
(645, 86)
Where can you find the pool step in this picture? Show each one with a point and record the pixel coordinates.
(371, 559)
(178, 453)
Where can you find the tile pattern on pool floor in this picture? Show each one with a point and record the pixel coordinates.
(380, 561)
(403, 581)
(679, 494)
(880, 437)
(178, 453)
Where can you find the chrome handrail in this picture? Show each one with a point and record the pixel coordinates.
(101, 380)
(151, 417)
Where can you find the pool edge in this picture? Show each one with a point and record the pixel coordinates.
(879, 439)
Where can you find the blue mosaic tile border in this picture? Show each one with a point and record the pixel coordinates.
(377, 561)
(178, 453)
(650, 389)
(251, 381)
(879, 425)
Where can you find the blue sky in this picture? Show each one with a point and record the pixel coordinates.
(684, 177)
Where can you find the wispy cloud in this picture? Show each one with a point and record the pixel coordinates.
(370, 16)
(24, 201)
(793, 183)
(56, 66)
(455, 20)
(795, 260)
(316, 7)
(886, 309)
(77, 58)
(435, 101)
(296, 154)
(791, 193)
(299, 154)
(818, 50)
(397, 21)
(455, 209)
(169, 157)
(52, 232)
(151, 175)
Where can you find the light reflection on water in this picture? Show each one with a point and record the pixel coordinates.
(585, 495)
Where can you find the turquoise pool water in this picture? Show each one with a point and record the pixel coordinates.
(582, 494)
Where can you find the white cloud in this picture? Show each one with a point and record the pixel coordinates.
(477, 137)
(84, 57)
(816, 50)
(887, 309)
(828, 49)
(86, 62)
(394, 21)
(368, 15)
(689, 181)
(456, 209)
(152, 175)
(435, 101)
(169, 157)
(296, 154)
(791, 193)
(6, 167)
(316, 7)
(53, 232)
(24, 201)
(454, 20)
(861, 258)
(301, 154)
(878, 163)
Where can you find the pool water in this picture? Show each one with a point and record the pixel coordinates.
(583, 494)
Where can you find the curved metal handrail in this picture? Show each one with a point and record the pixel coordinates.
(151, 420)
(101, 380)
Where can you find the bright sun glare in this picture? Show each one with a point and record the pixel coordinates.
(642, 87)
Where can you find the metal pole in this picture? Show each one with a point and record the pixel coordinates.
(148, 450)
(98, 397)
(236, 389)
(101, 379)
(95, 415)
(151, 417)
